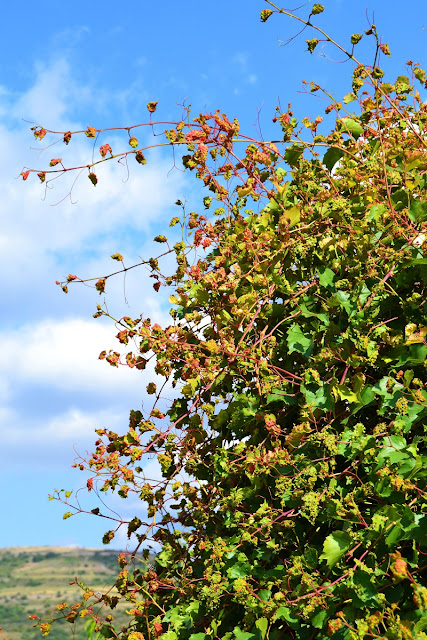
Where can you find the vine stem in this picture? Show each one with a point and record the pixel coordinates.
(351, 56)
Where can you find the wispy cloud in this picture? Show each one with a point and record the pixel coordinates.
(53, 389)
(241, 60)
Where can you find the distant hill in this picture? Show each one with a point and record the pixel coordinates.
(34, 579)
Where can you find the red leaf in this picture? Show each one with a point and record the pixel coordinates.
(25, 174)
(104, 149)
(54, 162)
(113, 359)
(123, 336)
(40, 133)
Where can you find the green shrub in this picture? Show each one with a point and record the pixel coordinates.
(292, 503)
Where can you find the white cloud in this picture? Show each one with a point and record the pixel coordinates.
(54, 365)
(64, 355)
(241, 59)
(54, 392)
(35, 235)
(68, 428)
(43, 443)
(46, 100)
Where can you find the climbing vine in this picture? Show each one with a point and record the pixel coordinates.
(292, 498)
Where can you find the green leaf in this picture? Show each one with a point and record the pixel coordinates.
(367, 591)
(326, 278)
(297, 341)
(345, 393)
(367, 395)
(396, 534)
(317, 8)
(364, 294)
(419, 534)
(284, 613)
(407, 355)
(191, 387)
(243, 635)
(398, 442)
(239, 570)
(334, 547)
(331, 157)
(390, 454)
(376, 212)
(319, 619)
(343, 298)
(406, 469)
(293, 154)
(307, 313)
(262, 625)
(351, 126)
(421, 625)
(418, 210)
(89, 629)
(349, 97)
(169, 635)
(278, 396)
(320, 397)
(402, 84)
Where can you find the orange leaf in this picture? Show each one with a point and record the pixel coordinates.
(90, 132)
(152, 106)
(104, 149)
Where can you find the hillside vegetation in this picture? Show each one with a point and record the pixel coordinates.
(33, 579)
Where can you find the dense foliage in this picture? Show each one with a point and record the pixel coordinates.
(292, 499)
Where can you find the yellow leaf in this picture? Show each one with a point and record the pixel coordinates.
(413, 336)
(293, 214)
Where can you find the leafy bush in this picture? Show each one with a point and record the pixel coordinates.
(293, 460)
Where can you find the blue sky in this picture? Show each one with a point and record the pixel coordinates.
(70, 65)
